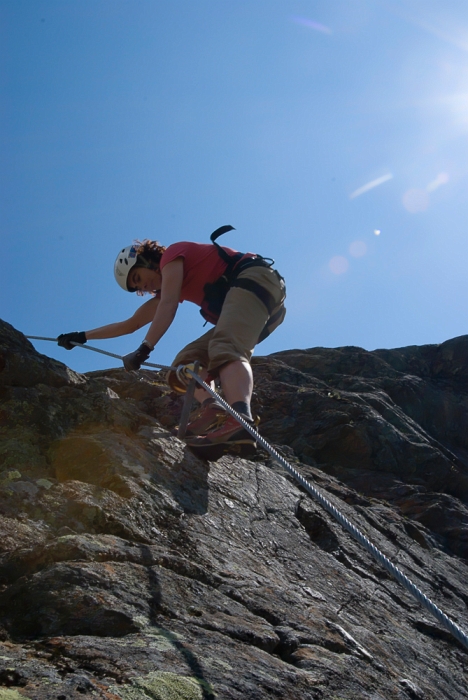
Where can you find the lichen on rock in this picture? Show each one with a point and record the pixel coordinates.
(163, 685)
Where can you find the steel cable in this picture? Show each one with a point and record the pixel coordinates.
(444, 620)
(101, 352)
(451, 626)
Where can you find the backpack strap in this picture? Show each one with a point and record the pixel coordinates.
(228, 259)
(220, 231)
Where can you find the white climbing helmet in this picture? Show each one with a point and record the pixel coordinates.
(126, 259)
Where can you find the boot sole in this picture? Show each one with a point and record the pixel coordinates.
(216, 450)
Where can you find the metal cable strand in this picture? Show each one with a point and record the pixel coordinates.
(444, 620)
(101, 352)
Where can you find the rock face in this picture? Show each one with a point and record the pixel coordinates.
(131, 569)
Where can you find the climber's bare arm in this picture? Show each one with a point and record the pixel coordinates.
(142, 316)
(171, 285)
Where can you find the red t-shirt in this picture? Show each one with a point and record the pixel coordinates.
(202, 264)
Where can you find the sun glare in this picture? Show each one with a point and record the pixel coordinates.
(457, 105)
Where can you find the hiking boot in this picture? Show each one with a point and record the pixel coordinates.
(230, 438)
(208, 416)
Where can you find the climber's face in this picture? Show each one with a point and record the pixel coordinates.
(144, 280)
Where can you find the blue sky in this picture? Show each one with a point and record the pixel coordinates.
(332, 135)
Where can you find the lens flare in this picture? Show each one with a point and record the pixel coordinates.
(376, 232)
(415, 200)
(312, 25)
(370, 185)
(357, 249)
(338, 265)
(441, 179)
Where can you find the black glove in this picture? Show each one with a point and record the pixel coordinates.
(66, 339)
(134, 360)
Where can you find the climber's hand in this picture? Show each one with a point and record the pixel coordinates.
(134, 360)
(66, 340)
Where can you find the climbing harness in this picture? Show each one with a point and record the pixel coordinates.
(444, 620)
(215, 292)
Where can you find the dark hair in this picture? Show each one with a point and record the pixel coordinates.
(148, 253)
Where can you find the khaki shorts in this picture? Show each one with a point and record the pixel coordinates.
(243, 318)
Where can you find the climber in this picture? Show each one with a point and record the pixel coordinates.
(240, 293)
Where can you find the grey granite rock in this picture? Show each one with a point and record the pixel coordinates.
(131, 569)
